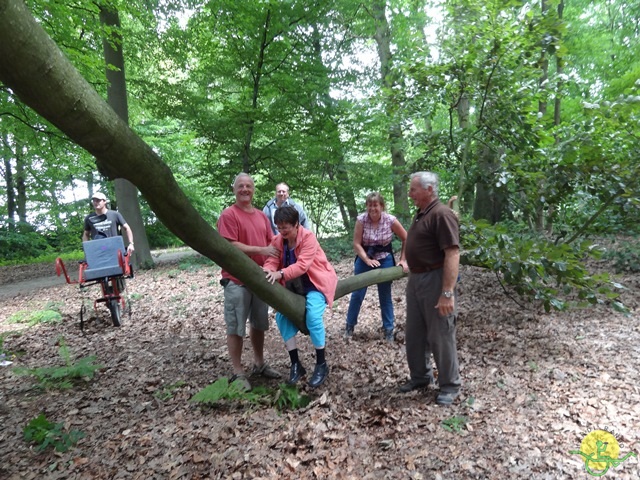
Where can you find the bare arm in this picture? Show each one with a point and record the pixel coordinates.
(449, 278)
(359, 249)
(401, 233)
(268, 251)
(85, 235)
(127, 230)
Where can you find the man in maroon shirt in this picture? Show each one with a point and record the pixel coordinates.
(433, 255)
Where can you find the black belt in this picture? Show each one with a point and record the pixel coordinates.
(429, 268)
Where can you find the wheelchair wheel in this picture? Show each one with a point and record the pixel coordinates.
(116, 312)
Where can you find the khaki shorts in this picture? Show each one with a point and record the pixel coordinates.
(241, 304)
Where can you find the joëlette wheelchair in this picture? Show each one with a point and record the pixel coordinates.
(106, 264)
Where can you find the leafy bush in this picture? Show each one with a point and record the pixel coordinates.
(34, 318)
(454, 424)
(223, 390)
(159, 236)
(166, 392)
(337, 248)
(21, 243)
(193, 263)
(45, 433)
(287, 397)
(62, 377)
(625, 258)
(536, 268)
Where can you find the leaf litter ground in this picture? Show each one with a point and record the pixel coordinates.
(534, 385)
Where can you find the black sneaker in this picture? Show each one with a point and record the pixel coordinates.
(412, 385)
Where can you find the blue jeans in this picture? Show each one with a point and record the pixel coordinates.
(384, 295)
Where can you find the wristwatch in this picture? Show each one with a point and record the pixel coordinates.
(447, 294)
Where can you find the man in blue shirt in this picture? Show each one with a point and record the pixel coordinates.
(282, 198)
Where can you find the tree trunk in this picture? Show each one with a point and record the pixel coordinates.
(559, 73)
(8, 180)
(126, 192)
(342, 188)
(21, 186)
(490, 201)
(382, 37)
(463, 110)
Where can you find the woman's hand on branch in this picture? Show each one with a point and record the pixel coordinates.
(272, 276)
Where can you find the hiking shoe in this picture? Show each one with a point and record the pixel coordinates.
(265, 370)
(296, 373)
(320, 373)
(348, 332)
(446, 398)
(388, 335)
(241, 382)
(412, 385)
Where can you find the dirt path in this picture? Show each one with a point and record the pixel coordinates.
(27, 278)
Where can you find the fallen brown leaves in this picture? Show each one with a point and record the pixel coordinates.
(534, 385)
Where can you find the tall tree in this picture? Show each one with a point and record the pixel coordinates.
(389, 81)
(126, 192)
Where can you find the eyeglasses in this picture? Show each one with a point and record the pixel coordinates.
(285, 228)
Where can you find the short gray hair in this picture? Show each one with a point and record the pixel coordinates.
(427, 179)
(240, 175)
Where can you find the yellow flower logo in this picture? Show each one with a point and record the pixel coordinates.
(600, 451)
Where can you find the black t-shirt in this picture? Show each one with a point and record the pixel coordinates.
(105, 225)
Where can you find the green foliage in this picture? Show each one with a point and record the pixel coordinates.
(45, 433)
(21, 243)
(454, 424)
(337, 248)
(34, 318)
(167, 392)
(194, 263)
(159, 236)
(62, 377)
(537, 269)
(222, 390)
(286, 397)
(289, 398)
(625, 258)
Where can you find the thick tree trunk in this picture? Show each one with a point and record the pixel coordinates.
(35, 69)
(126, 192)
(489, 201)
(396, 139)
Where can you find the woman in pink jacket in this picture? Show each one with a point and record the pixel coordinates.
(304, 267)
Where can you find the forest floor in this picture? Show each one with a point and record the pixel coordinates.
(535, 386)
